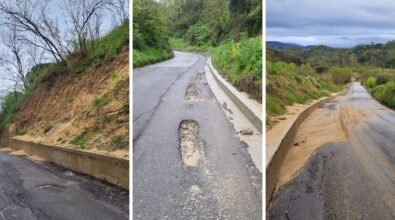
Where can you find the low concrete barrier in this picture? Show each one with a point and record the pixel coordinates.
(273, 167)
(111, 169)
(248, 109)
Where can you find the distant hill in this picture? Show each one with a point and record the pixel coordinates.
(273, 55)
(282, 45)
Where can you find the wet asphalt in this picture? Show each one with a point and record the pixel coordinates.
(353, 179)
(229, 186)
(38, 190)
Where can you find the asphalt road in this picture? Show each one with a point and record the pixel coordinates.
(35, 190)
(353, 179)
(224, 185)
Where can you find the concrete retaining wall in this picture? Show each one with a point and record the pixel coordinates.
(113, 170)
(273, 168)
(248, 110)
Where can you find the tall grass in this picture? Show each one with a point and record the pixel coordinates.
(287, 83)
(241, 63)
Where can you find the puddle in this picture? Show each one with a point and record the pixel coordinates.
(52, 188)
(190, 144)
(192, 92)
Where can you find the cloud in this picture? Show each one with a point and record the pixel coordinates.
(336, 23)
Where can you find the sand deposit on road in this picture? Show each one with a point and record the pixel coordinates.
(324, 125)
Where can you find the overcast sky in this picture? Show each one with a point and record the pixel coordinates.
(337, 23)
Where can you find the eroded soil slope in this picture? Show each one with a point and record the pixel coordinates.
(86, 111)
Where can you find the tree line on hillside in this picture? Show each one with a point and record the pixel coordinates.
(200, 22)
(206, 22)
(379, 55)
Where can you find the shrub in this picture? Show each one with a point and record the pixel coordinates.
(117, 140)
(385, 94)
(47, 128)
(370, 83)
(21, 132)
(340, 75)
(80, 140)
(198, 34)
(382, 79)
(9, 106)
(101, 101)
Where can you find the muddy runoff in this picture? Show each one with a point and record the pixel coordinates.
(324, 125)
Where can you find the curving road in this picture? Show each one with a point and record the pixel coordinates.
(349, 179)
(38, 190)
(222, 184)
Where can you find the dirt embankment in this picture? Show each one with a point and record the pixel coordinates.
(87, 111)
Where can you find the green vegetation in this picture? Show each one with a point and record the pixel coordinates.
(117, 140)
(80, 140)
(385, 94)
(241, 63)
(101, 101)
(100, 51)
(229, 30)
(47, 128)
(21, 132)
(288, 83)
(150, 36)
(370, 83)
(9, 106)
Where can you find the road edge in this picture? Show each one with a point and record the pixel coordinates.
(111, 169)
(243, 103)
(273, 167)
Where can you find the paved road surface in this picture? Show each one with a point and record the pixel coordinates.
(223, 185)
(353, 179)
(32, 190)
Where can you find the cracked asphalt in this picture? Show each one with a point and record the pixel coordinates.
(352, 179)
(224, 184)
(75, 196)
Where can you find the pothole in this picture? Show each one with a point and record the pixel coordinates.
(195, 190)
(51, 188)
(192, 92)
(190, 144)
(199, 76)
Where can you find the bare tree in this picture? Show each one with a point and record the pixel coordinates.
(81, 14)
(94, 27)
(30, 16)
(122, 8)
(12, 59)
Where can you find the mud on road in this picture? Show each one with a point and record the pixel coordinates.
(341, 165)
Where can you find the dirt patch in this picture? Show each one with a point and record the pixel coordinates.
(88, 111)
(195, 190)
(19, 153)
(6, 150)
(192, 92)
(190, 144)
(324, 125)
(321, 127)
